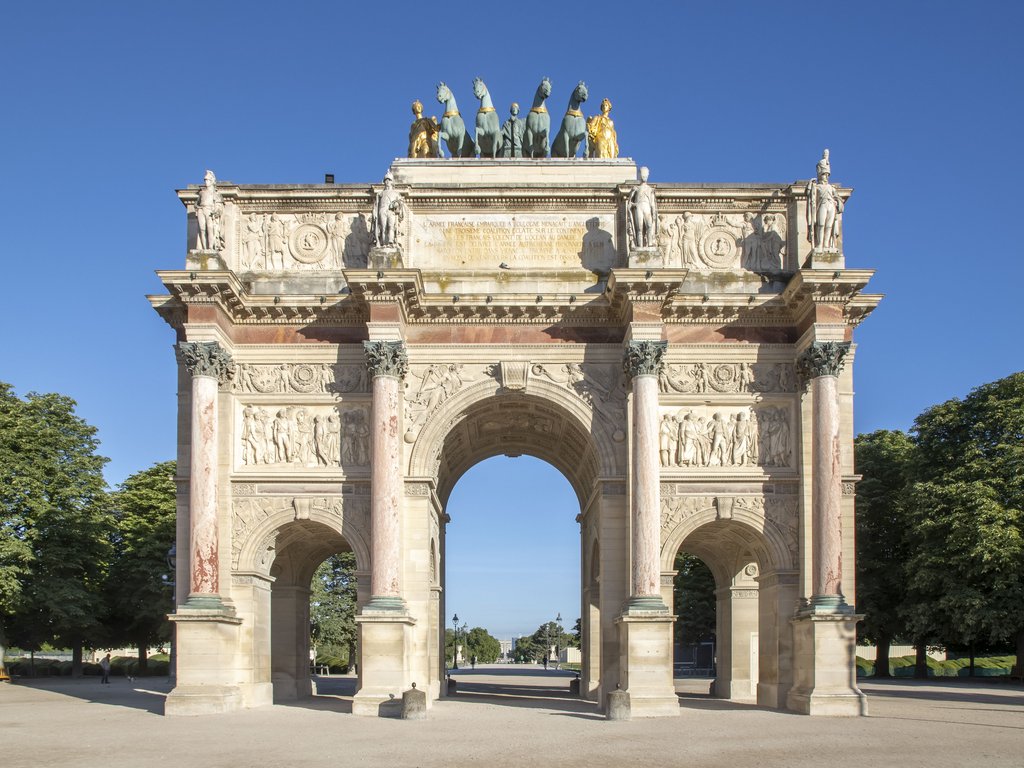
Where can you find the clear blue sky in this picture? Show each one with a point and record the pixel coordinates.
(108, 107)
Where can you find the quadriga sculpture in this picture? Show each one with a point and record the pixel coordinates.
(574, 128)
(453, 129)
(536, 137)
(488, 128)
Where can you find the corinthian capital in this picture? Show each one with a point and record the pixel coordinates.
(386, 358)
(206, 358)
(823, 358)
(644, 358)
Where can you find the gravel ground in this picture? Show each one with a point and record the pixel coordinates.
(507, 716)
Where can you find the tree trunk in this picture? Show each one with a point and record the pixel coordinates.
(882, 657)
(971, 668)
(76, 660)
(921, 661)
(143, 659)
(1019, 672)
(353, 667)
(3, 649)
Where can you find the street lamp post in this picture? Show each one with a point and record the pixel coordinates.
(558, 639)
(455, 647)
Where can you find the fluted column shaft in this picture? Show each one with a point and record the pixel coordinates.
(821, 363)
(643, 362)
(209, 364)
(388, 363)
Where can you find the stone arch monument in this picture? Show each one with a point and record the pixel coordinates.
(695, 389)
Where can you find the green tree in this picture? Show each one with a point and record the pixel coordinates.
(966, 577)
(694, 596)
(576, 637)
(550, 638)
(58, 498)
(528, 650)
(482, 646)
(138, 595)
(884, 546)
(332, 604)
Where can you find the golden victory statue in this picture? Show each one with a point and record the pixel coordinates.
(423, 133)
(601, 133)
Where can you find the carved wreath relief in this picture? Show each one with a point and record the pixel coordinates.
(707, 242)
(728, 437)
(304, 436)
(304, 378)
(284, 241)
(727, 377)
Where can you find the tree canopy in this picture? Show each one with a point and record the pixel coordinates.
(332, 603)
(694, 595)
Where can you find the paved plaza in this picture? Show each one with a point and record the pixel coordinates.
(507, 716)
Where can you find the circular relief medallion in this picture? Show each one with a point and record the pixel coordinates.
(724, 378)
(308, 243)
(719, 249)
(304, 378)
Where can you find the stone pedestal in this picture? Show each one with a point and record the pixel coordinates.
(206, 678)
(385, 639)
(645, 664)
(386, 257)
(825, 668)
(646, 258)
(203, 260)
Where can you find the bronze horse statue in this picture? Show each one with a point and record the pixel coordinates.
(488, 127)
(574, 128)
(453, 129)
(538, 123)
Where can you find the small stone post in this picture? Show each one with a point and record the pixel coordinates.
(618, 705)
(414, 704)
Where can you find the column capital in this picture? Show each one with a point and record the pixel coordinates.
(206, 358)
(822, 358)
(644, 358)
(386, 358)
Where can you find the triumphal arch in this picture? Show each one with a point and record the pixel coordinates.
(681, 352)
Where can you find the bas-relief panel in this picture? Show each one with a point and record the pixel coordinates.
(484, 240)
(701, 436)
(701, 378)
(302, 436)
(249, 513)
(273, 242)
(724, 241)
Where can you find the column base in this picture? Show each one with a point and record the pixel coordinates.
(384, 639)
(207, 641)
(824, 665)
(381, 604)
(207, 602)
(203, 700)
(645, 662)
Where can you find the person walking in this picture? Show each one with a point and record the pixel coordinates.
(105, 667)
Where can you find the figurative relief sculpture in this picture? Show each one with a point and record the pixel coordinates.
(601, 133)
(824, 209)
(305, 436)
(642, 214)
(758, 437)
(209, 213)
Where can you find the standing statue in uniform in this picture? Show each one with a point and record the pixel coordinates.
(387, 214)
(642, 213)
(824, 209)
(512, 134)
(209, 211)
(423, 133)
(601, 133)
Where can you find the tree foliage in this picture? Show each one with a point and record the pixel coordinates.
(138, 594)
(56, 523)
(482, 646)
(694, 595)
(332, 603)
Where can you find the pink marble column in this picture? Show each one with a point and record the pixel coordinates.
(822, 362)
(208, 363)
(642, 364)
(387, 363)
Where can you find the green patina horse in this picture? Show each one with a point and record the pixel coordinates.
(488, 127)
(538, 123)
(574, 128)
(453, 130)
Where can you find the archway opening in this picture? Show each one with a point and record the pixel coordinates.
(512, 575)
(312, 609)
(695, 608)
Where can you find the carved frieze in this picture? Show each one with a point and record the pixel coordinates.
(308, 241)
(708, 436)
(708, 242)
(601, 387)
(303, 436)
(701, 378)
(303, 378)
(428, 386)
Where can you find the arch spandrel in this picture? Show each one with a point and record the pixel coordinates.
(260, 529)
(544, 419)
(704, 526)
